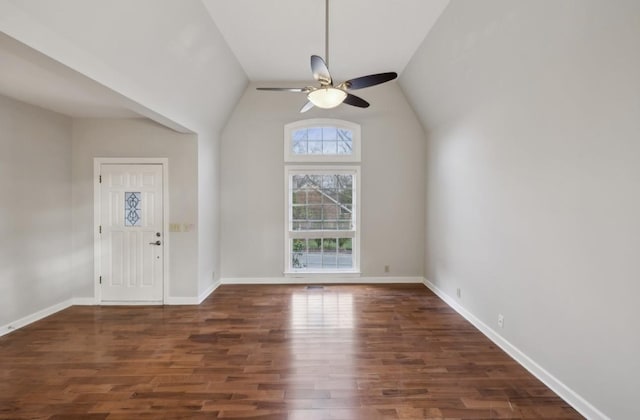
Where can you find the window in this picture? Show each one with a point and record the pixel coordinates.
(322, 219)
(322, 199)
(322, 140)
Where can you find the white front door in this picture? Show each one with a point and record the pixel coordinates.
(132, 235)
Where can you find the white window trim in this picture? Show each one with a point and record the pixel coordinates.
(322, 170)
(322, 122)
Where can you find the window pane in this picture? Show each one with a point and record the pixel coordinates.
(315, 133)
(314, 245)
(344, 225)
(322, 254)
(299, 197)
(329, 244)
(329, 148)
(345, 142)
(297, 181)
(321, 202)
(329, 254)
(314, 253)
(298, 253)
(329, 217)
(314, 181)
(345, 245)
(345, 253)
(314, 212)
(345, 135)
(329, 141)
(328, 181)
(330, 133)
(330, 260)
(300, 147)
(300, 134)
(132, 209)
(299, 213)
(344, 181)
(315, 147)
(314, 196)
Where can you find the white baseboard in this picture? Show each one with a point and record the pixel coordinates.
(321, 280)
(84, 301)
(132, 303)
(36, 316)
(566, 393)
(181, 300)
(208, 291)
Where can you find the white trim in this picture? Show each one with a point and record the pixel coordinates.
(321, 169)
(322, 122)
(85, 301)
(188, 300)
(36, 316)
(324, 280)
(181, 300)
(208, 291)
(97, 162)
(131, 303)
(312, 274)
(566, 393)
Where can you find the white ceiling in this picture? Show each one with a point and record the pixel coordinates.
(31, 77)
(273, 39)
(169, 55)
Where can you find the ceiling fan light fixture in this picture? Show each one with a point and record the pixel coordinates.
(327, 97)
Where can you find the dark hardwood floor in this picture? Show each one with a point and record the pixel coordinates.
(268, 352)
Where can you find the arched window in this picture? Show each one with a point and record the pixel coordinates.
(322, 222)
(322, 140)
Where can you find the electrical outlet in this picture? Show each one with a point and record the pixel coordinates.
(500, 320)
(459, 292)
(386, 269)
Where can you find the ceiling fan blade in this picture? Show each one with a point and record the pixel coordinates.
(279, 89)
(370, 80)
(320, 70)
(355, 101)
(306, 107)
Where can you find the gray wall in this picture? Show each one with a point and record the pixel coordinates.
(532, 113)
(252, 182)
(136, 138)
(208, 210)
(35, 209)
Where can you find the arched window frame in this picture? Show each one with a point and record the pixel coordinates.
(290, 128)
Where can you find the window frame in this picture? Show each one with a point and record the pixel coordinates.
(354, 233)
(289, 156)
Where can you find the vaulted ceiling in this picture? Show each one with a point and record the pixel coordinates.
(184, 63)
(273, 39)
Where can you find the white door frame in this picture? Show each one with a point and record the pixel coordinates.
(97, 207)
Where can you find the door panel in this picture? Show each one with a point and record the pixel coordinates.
(132, 222)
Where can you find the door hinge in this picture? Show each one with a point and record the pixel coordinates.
(100, 179)
(100, 229)
(100, 279)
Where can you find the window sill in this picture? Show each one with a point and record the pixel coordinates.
(331, 274)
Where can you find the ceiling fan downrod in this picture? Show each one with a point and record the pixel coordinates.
(326, 32)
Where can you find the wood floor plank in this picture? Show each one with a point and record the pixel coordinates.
(268, 352)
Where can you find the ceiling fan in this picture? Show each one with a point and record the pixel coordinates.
(328, 95)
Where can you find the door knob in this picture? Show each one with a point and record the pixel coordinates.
(155, 243)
